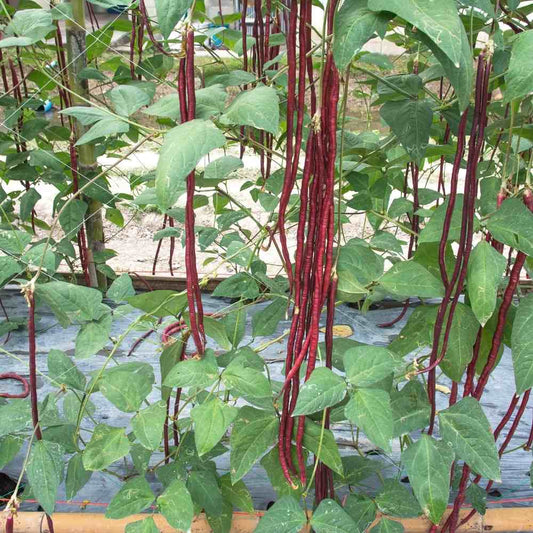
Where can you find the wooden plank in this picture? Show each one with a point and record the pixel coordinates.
(495, 520)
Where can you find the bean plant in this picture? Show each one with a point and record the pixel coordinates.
(441, 185)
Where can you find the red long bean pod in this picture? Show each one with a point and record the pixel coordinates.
(17, 377)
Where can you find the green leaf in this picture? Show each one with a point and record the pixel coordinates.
(148, 423)
(355, 24)
(439, 20)
(167, 106)
(322, 389)
(121, 289)
(512, 224)
(409, 278)
(265, 322)
(93, 336)
(211, 420)
(9, 447)
(366, 365)
(133, 497)
(142, 526)
(127, 99)
(70, 302)
(63, 371)
(160, 303)
(361, 509)
(107, 445)
(522, 345)
(461, 77)
(103, 128)
(15, 416)
(394, 499)
(428, 463)
(385, 525)
(370, 410)
(466, 428)
(485, 271)
(175, 504)
(323, 445)
(410, 408)
(477, 496)
(72, 217)
(77, 476)
(205, 492)
(240, 285)
(86, 115)
(45, 473)
(285, 515)
(210, 101)
(257, 107)
(222, 168)
(248, 382)
(236, 493)
(199, 373)
(519, 77)
(126, 386)
(410, 121)
(169, 13)
(27, 203)
(330, 517)
(254, 432)
(8, 268)
(182, 149)
(462, 338)
(27, 27)
(432, 232)
(14, 241)
(357, 469)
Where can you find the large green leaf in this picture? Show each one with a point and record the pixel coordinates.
(9, 447)
(222, 168)
(253, 434)
(236, 493)
(465, 427)
(192, 373)
(370, 410)
(63, 371)
(485, 271)
(386, 525)
(395, 499)
(321, 442)
(182, 149)
(107, 445)
(285, 515)
(410, 408)
(410, 120)
(355, 24)
(127, 385)
(15, 416)
(366, 365)
(147, 425)
(142, 526)
(169, 12)
(519, 77)
(522, 345)
(93, 336)
(160, 303)
(127, 99)
(205, 492)
(71, 218)
(265, 321)
(175, 504)
(330, 517)
(257, 107)
(428, 463)
(248, 382)
(70, 302)
(211, 420)
(103, 128)
(512, 224)
(409, 278)
(461, 340)
(27, 27)
(322, 389)
(121, 289)
(45, 472)
(77, 476)
(438, 19)
(133, 497)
